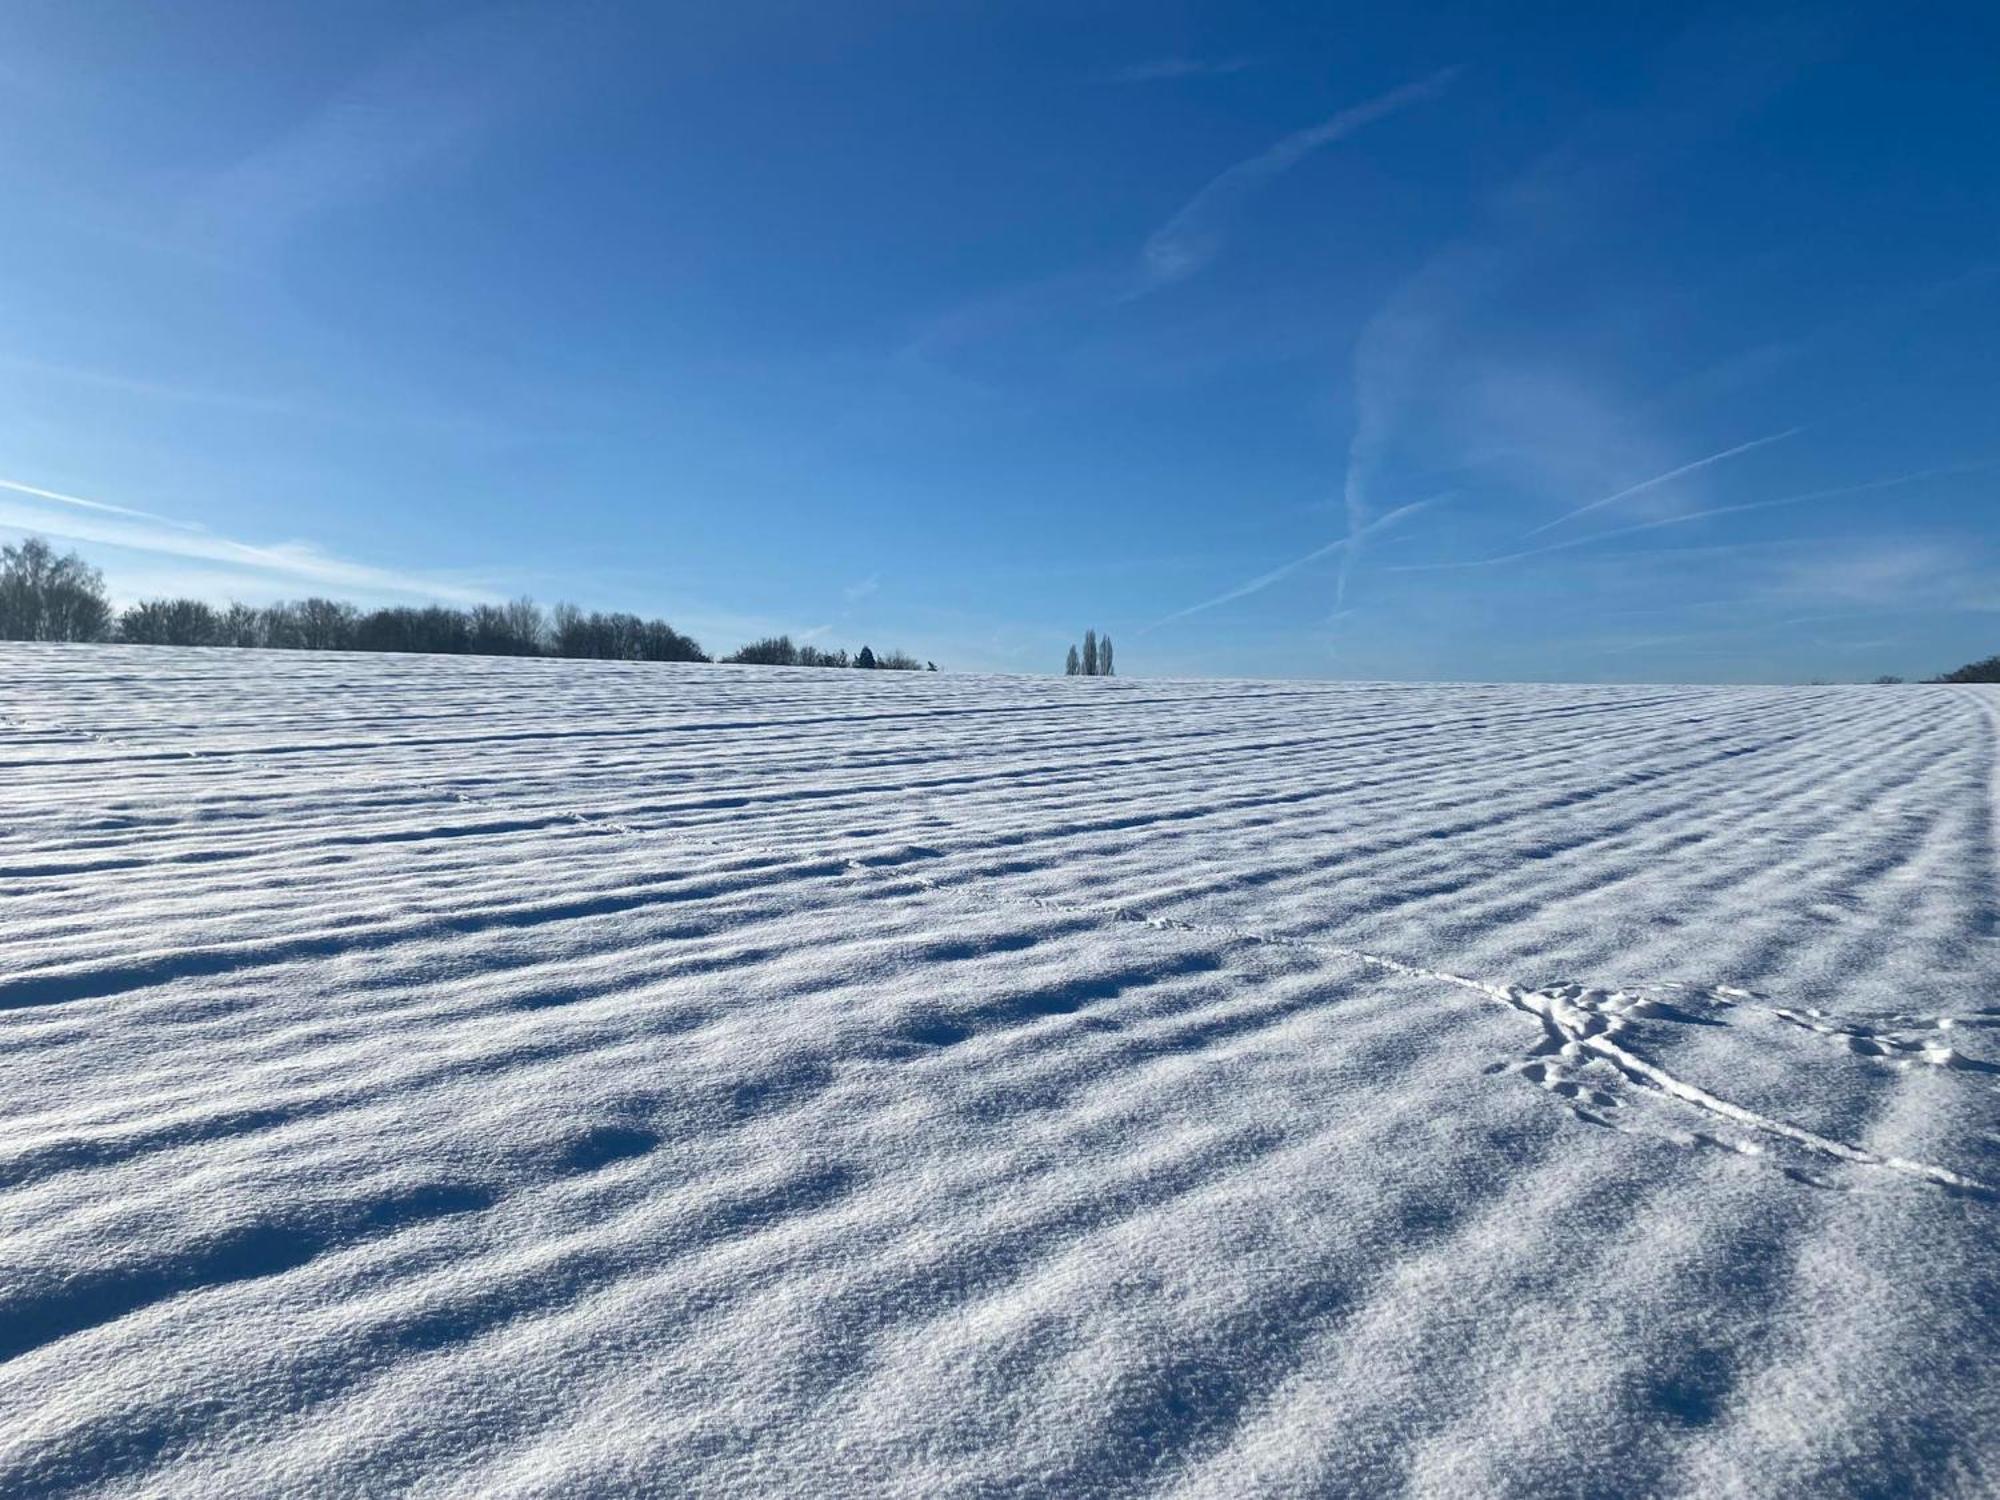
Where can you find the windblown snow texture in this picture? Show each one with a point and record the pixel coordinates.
(463, 1077)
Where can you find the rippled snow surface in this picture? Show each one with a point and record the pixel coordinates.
(502, 1078)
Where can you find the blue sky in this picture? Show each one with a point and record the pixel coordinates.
(1623, 342)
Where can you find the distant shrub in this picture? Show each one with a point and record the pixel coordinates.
(772, 651)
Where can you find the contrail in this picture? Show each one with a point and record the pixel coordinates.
(1659, 479)
(1699, 515)
(99, 505)
(1265, 580)
(140, 531)
(1193, 236)
(1262, 581)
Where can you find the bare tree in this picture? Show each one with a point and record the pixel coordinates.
(1073, 667)
(527, 626)
(170, 622)
(240, 625)
(1104, 656)
(278, 624)
(48, 598)
(514, 629)
(326, 625)
(566, 632)
(1090, 653)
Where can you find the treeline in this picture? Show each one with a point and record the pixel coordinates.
(1978, 671)
(522, 628)
(779, 651)
(44, 597)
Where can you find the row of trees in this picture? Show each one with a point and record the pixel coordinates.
(521, 628)
(1094, 660)
(1978, 671)
(780, 651)
(44, 597)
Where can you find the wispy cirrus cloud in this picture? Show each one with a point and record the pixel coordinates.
(1194, 236)
(1522, 358)
(1170, 69)
(413, 109)
(1881, 574)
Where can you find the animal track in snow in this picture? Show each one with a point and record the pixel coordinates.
(1581, 1026)
(1584, 1026)
(1909, 1040)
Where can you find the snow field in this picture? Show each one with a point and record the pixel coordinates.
(471, 1077)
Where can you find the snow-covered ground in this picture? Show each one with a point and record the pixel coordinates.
(500, 1078)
